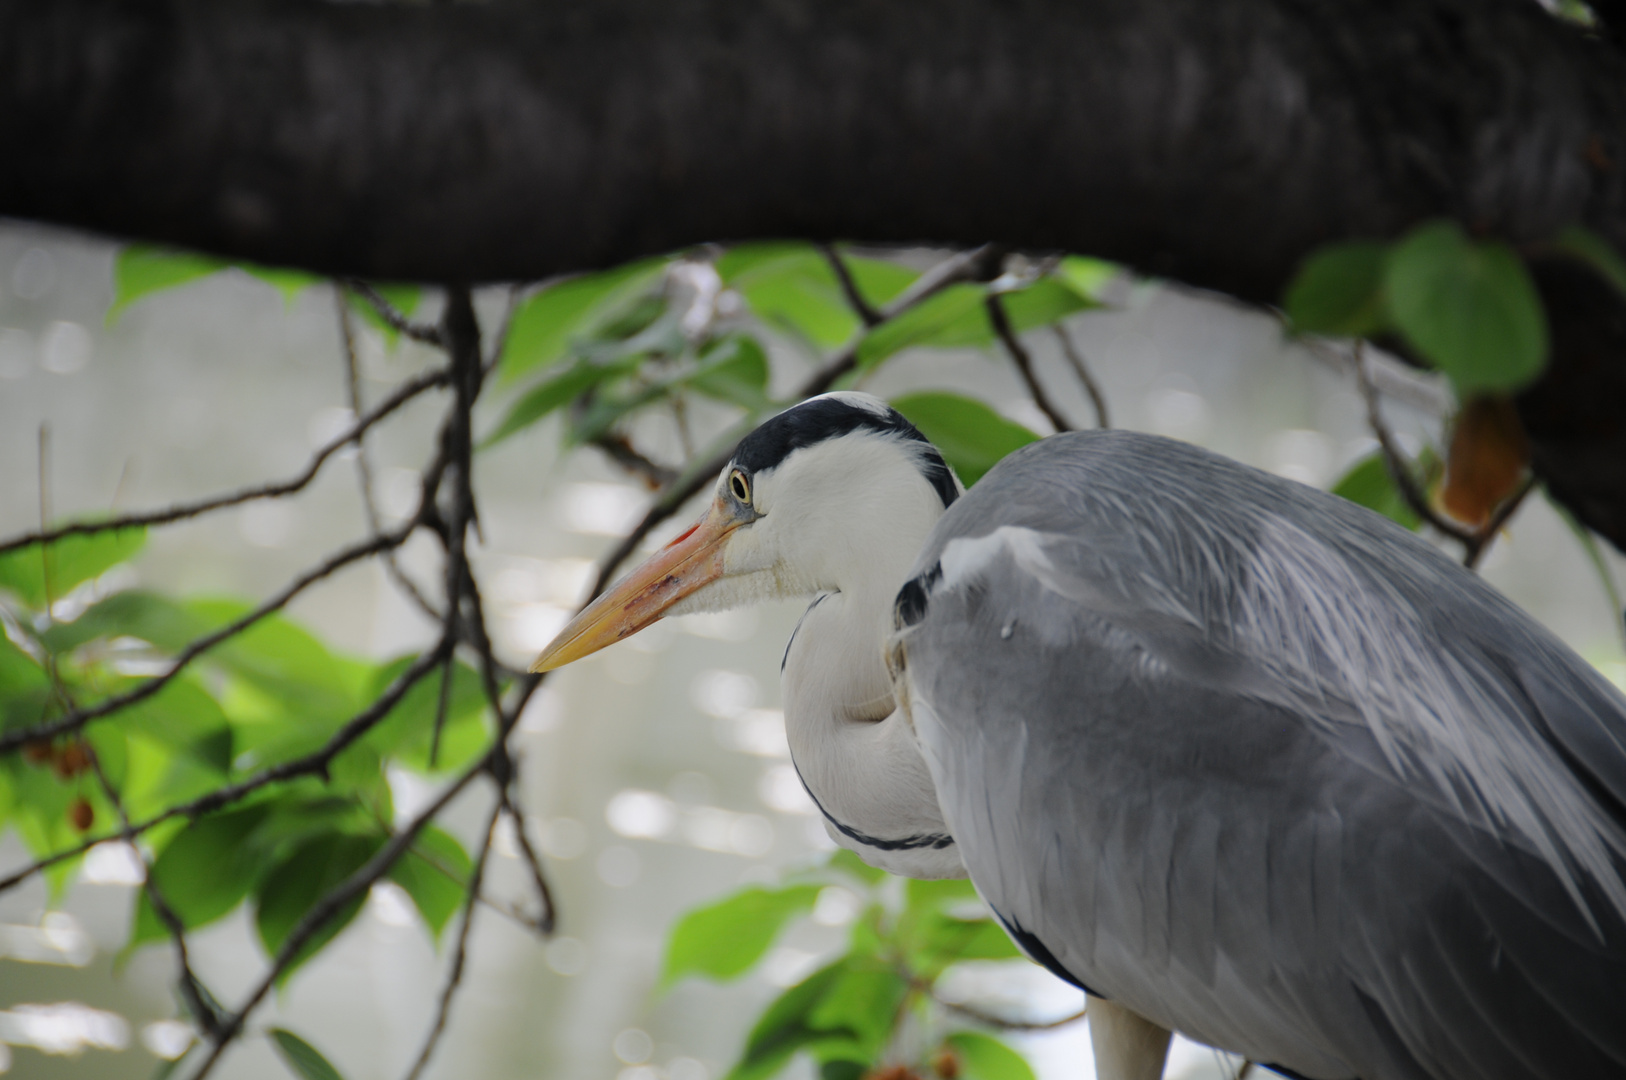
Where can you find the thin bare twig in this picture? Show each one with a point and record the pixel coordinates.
(454, 975)
(1475, 542)
(192, 992)
(1076, 360)
(849, 287)
(925, 986)
(543, 924)
(392, 316)
(77, 719)
(364, 468)
(403, 394)
(1024, 362)
(1395, 458)
(1486, 535)
(620, 450)
(1244, 1070)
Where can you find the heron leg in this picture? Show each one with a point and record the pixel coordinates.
(1127, 1046)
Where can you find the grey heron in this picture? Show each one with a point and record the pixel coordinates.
(1239, 758)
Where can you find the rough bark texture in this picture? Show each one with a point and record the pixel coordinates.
(1217, 141)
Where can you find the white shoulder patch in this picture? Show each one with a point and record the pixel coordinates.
(965, 558)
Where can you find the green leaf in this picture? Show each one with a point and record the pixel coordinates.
(545, 324)
(724, 940)
(141, 269)
(1469, 307)
(183, 717)
(954, 317)
(151, 617)
(300, 1056)
(294, 887)
(735, 370)
(433, 872)
(25, 689)
(549, 395)
(1596, 252)
(1370, 484)
(984, 1057)
(406, 733)
(290, 283)
(783, 1029)
(971, 437)
(792, 286)
(1088, 277)
(1047, 300)
(938, 940)
(861, 1005)
(204, 871)
(71, 560)
(1338, 291)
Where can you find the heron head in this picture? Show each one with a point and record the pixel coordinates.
(808, 501)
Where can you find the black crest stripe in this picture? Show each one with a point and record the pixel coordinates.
(823, 418)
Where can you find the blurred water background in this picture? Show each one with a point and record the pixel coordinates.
(655, 773)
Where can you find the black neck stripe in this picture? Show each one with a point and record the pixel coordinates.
(822, 418)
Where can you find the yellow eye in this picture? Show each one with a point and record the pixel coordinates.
(740, 486)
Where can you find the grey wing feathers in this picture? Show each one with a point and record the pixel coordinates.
(1272, 770)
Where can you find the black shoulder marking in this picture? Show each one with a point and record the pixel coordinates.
(907, 843)
(910, 606)
(783, 660)
(1029, 943)
(823, 418)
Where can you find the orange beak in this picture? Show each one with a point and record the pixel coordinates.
(692, 560)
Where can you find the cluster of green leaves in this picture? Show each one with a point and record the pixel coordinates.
(1469, 307)
(1466, 306)
(141, 270)
(853, 1014)
(265, 696)
(604, 346)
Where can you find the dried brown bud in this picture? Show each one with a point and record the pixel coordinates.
(1488, 456)
(946, 1063)
(81, 814)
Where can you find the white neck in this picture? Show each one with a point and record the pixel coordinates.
(855, 752)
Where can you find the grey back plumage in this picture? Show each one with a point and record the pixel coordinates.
(1287, 779)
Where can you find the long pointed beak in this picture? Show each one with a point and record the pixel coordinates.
(692, 560)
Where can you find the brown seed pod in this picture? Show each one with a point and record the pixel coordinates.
(72, 760)
(81, 814)
(38, 753)
(946, 1063)
(1488, 457)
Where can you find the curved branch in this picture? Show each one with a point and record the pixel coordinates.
(403, 394)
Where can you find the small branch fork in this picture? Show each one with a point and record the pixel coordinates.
(1474, 542)
(1024, 363)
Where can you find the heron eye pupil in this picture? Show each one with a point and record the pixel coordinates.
(741, 491)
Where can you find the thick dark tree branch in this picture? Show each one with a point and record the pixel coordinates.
(1213, 141)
